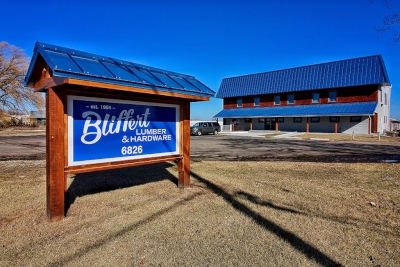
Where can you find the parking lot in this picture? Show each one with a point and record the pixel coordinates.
(244, 147)
(238, 147)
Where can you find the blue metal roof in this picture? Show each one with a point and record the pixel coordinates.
(350, 72)
(342, 109)
(69, 63)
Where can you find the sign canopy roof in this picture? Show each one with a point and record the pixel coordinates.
(71, 66)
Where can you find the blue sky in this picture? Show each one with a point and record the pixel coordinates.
(209, 39)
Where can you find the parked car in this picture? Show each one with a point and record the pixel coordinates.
(205, 127)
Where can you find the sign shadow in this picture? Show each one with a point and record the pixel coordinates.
(103, 181)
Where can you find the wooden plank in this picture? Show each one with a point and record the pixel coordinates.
(72, 90)
(184, 164)
(375, 123)
(134, 89)
(46, 83)
(119, 164)
(55, 178)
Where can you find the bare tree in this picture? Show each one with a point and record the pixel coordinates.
(14, 97)
(391, 22)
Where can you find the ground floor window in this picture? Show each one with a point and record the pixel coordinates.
(334, 119)
(314, 119)
(297, 120)
(355, 118)
(281, 120)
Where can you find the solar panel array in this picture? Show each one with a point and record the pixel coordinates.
(69, 63)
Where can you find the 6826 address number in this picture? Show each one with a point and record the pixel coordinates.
(131, 150)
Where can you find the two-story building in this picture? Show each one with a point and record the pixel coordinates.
(344, 96)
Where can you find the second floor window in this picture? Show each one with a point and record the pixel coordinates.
(315, 98)
(290, 99)
(277, 100)
(256, 101)
(332, 96)
(239, 102)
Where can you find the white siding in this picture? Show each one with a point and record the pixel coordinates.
(323, 126)
(383, 109)
(289, 126)
(345, 126)
(258, 125)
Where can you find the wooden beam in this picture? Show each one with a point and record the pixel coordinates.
(119, 164)
(55, 177)
(44, 83)
(184, 163)
(134, 89)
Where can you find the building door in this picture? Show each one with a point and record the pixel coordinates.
(269, 124)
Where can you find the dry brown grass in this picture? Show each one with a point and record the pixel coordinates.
(234, 214)
(348, 137)
(23, 131)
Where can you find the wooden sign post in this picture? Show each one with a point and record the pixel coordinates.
(98, 119)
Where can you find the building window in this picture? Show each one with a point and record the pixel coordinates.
(290, 99)
(277, 100)
(334, 119)
(315, 98)
(261, 120)
(247, 120)
(332, 96)
(281, 120)
(297, 120)
(314, 119)
(256, 101)
(385, 99)
(355, 118)
(239, 102)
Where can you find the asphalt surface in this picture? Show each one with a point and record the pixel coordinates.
(22, 147)
(239, 146)
(255, 147)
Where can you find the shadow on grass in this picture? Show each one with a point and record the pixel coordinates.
(296, 242)
(100, 242)
(104, 181)
(92, 183)
(257, 201)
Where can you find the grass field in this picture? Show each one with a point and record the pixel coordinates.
(234, 214)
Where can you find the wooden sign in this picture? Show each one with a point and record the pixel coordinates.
(115, 114)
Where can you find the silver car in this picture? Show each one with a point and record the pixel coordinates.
(205, 127)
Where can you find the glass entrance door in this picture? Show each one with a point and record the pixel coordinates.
(269, 124)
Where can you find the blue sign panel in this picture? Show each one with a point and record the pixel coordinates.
(103, 130)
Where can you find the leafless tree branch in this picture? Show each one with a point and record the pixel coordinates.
(391, 22)
(14, 97)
